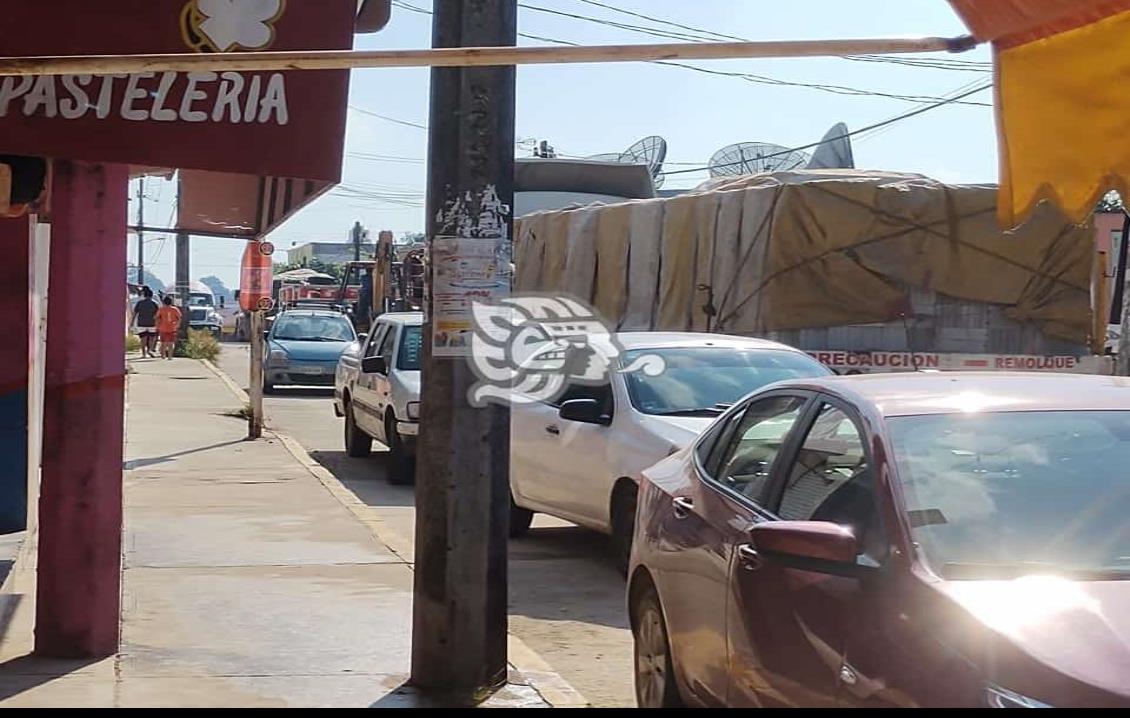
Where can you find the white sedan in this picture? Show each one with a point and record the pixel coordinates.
(579, 458)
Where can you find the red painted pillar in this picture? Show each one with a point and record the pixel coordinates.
(80, 503)
(15, 328)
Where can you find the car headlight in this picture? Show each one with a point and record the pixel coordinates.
(279, 357)
(414, 410)
(1003, 698)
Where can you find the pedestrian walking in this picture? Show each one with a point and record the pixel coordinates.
(168, 327)
(145, 318)
(364, 306)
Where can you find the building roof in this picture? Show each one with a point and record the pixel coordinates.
(583, 176)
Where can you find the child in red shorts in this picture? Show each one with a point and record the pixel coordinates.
(168, 327)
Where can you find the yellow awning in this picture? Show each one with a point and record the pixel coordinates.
(1062, 101)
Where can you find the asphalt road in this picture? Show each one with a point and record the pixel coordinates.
(566, 598)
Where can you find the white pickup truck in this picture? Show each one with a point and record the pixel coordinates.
(377, 390)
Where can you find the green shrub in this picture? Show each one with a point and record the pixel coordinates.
(133, 343)
(201, 345)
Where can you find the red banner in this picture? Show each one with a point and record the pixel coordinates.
(283, 124)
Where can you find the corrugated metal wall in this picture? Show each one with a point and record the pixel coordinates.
(938, 324)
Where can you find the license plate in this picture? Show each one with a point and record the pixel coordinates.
(314, 370)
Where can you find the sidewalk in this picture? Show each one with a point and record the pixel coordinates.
(247, 580)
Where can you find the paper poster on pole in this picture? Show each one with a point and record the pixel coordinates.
(465, 271)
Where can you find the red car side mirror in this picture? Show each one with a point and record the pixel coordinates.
(806, 542)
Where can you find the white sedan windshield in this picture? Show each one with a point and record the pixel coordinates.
(700, 379)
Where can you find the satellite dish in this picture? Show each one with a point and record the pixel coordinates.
(749, 158)
(650, 151)
(834, 152)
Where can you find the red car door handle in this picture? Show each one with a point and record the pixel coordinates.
(683, 507)
(749, 557)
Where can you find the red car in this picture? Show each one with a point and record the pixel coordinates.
(893, 540)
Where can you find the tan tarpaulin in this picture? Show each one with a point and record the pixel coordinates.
(804, 250)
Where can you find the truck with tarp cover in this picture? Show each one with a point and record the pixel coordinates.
(867, 271)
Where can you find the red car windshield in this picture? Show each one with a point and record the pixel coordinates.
(995, 495)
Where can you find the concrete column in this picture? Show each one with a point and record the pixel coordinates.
(80, 505)
(15, 349)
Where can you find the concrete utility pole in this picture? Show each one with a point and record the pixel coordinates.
(141, 230)
(184, 284)
(358, 236)
(462, 488)
(382, 275)
(255, 380)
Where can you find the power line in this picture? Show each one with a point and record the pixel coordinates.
(935, 102)
(611, 23)
(386, 118)
(864, 134)
(872, 134)
(846, 135)
(744, 76)
(940, 64)
(763, 80)
(386, 158)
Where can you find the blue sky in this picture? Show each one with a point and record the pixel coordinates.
(589, 109)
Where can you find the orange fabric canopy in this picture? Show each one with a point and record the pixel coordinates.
(1062, 108)
(1019, 21)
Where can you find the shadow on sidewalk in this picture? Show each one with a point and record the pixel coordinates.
(25, 673)
(307, 393)
(507, 696)
(9, 602)
(366, 478)
(594, 593)
(143, 463)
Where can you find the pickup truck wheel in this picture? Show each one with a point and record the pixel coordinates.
(358, 444)
(520, 520)
(399, 462)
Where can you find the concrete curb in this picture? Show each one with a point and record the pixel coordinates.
(531, 667)
(227, 380)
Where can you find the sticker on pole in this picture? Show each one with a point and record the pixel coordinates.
(467, 271)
